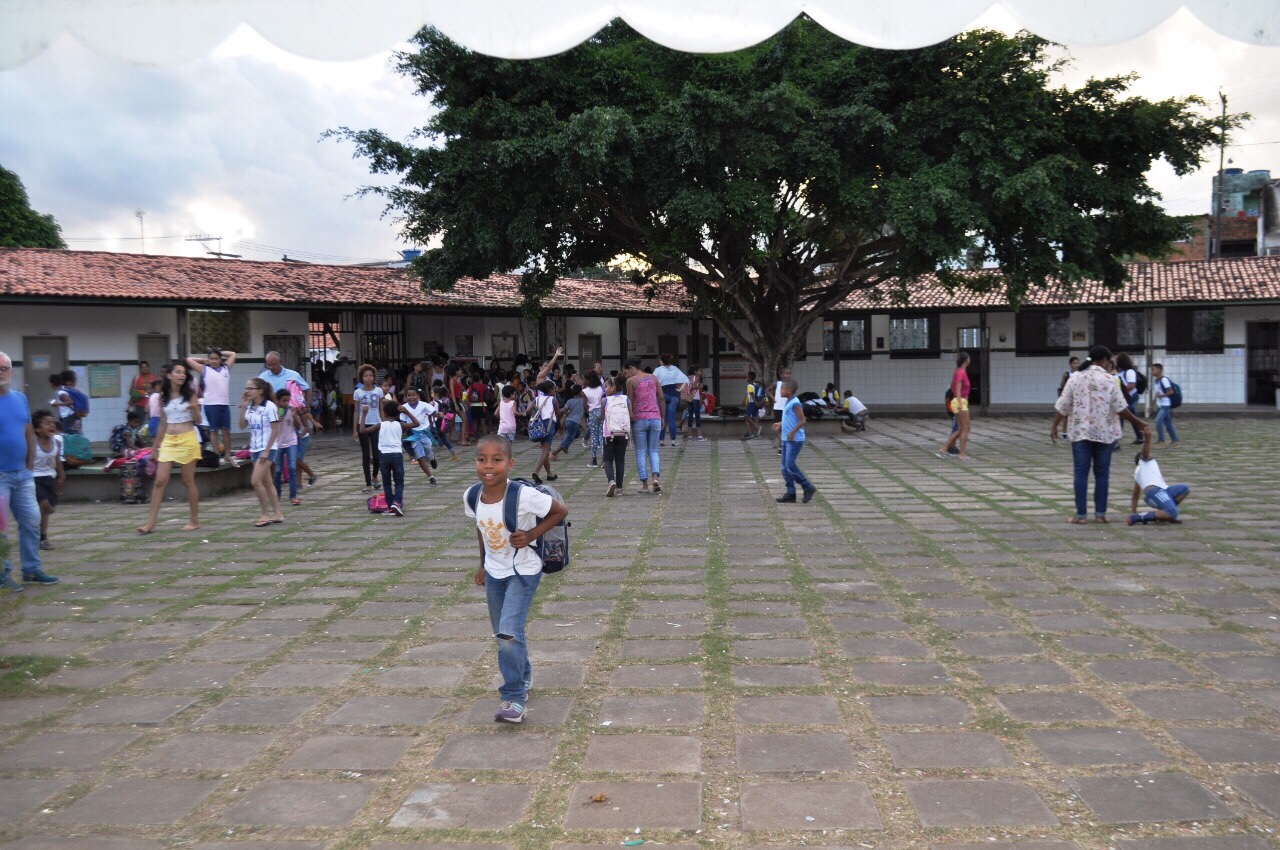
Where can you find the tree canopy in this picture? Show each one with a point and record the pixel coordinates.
(21, 226)
(773, 182)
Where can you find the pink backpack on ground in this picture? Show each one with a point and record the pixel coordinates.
(378, 504)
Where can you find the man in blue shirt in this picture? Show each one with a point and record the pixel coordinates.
(278, 376)
(791, 432)
(17, 486)
(671, 379)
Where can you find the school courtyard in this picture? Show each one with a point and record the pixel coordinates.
(928, 655)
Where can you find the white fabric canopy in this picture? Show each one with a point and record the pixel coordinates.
(168, 32)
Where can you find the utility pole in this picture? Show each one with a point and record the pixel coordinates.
(142, 230)
(1215, 244)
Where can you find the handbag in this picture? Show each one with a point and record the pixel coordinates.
(539, 428)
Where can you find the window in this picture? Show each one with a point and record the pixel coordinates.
(1043, 333)
(1193, 329)
(855, 339)
(1119, 330)
(913, 336)
(225, 329)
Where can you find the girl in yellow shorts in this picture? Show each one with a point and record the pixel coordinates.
(179, 443)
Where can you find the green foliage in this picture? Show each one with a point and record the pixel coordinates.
(21, 226)
(772, 182)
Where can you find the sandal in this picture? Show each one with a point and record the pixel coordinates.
(295, 501)
(262, 523)
(1102, 520)
(1078, 520)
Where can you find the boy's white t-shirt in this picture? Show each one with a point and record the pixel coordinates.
(421, 412)
(390, 435)
(1147, 474)
(500, 559)
(1164, 385)
(854, 406)
(778, 401)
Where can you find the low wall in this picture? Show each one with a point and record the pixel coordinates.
(92, 484)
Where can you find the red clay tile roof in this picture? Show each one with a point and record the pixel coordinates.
(33, 273)
(1226, 281)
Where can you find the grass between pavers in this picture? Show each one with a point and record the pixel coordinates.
(20, 674)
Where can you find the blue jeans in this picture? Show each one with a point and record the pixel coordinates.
(18, 489)
(1164, 419)
(646, 433)
(1086, 454)
(791, 474)
(670, 404)
(595, 425)
(392, 468)
(509, 599)
(1133, 408)
(1166, 498)
(287, 455)
(572, 431)
(693, 414)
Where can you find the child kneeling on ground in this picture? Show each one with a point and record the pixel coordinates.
(510, 568)
(1151, 486)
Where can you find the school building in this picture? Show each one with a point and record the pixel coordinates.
(1214, 324)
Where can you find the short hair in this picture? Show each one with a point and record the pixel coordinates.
(1137, 459)
(593, 379)
(494, 440)
(790, 385)
(55, 378)
(574, 390)
(962, 357)
(1159, 366)
(751, 376)
(632, 363)
(438, 389)
(68, 376)
(546, 388)
(38, 416)
(666, 359)
(509, 391)
(411, 388)
(391, 408)
(133, 416)
(1099, 352)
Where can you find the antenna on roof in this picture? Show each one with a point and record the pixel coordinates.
(205, 239)
(285, 259)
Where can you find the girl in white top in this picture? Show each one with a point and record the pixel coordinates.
(366, 399)
(544, 407)
(49, 473)
(177, 442)
(259, 414)
(390, 436)
(593, 392)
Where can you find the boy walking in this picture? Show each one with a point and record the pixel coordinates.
(791, 433)
(1150, 485)
(1164, 405)
(510, 568)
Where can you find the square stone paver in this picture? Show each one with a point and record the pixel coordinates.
(969, 802)
(1094, 746)
(676, 710)
(946, 749)
(788, 710)
(1245, 668)
(65, 750)
(139, 801)
(657, 676)
(882, 647)
(385, 711)
(918, 710)
(96, 842)
(190, 675)
(776, 675)
(901, 673)
(773, 648)
(635, 805)
(1053, 708)
(22, 796)
(1141, 671)
(1253, 746)
(470, 806)
(783, 752)
(194, 751)
(138, 711)
(1210, 642)
(1023, 673)
(1101, 645)
(1147, 798)
(1263, 790)
(257, 711)
(496, 752)
(349, 752)
(414, 678)
(304, 676)
(1187, 705)
(809, 805)
(644, 754)
(300, 803)
(1197, 842)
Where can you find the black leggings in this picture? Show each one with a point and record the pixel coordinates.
(369, 457)
(615, 453)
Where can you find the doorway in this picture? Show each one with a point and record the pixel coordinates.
(41, 357)
(292, 351)
(154, 348)
(589, 352)
(669, 344)
(1262, 339)
(973, 341)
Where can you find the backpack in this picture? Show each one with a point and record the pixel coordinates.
(946, 403)
(552, 547)
(475, 395)
(1175, 395)
(296, 399)
(1140, 384)
(618, 416)
(76, 449)
(523, 400)
(79, 401)
(378, 504)
(117, 441)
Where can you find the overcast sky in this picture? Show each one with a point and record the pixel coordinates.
(229, 146)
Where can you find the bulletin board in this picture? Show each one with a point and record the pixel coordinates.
(104, 380)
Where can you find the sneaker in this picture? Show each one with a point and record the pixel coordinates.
(434, 464)
(11, 585)
(702, 439)
(432, 481)
(366, 489)
(39, 577)
(1139, 441)
(1133, 518)
(536, 479)
(944, 455)
(528, 686)
(510, 712)
(311, 481)
(808, 495)
(613, 489)
(45, 544)
(593, 463)
(662, 443)
(657, 487)
(788, 497)
(396, 509)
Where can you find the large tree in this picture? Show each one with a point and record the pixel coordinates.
(21, 226)
(772, 182)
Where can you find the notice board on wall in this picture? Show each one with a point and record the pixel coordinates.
(104, 380)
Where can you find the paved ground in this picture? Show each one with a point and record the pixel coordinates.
(926, 655)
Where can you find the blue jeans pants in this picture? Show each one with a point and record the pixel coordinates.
(670, 405)
(392, 468)
(1165, 499)
(791, 474)
(18, 491)
(572, 431)
(646, 433)
(1133, 408)
(287, 455)
(1164, 419)
(693, 414)
(509, 599)
(1096, 456)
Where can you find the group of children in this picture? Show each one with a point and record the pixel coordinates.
(758, 399)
